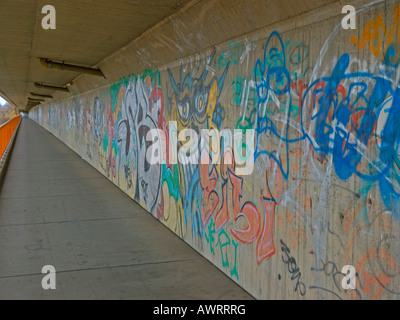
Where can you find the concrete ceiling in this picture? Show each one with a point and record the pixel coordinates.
(87, 31)
(121, 36)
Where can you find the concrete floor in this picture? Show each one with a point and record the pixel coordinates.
(55, 209)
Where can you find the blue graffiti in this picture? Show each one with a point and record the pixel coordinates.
(345, 127)
(272, 79)
(340, 115)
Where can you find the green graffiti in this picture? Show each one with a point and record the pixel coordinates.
(230, 56)
(225, 261)
(105, 142)
(114, 92)
(224, 241)
(172, 180)
(234, 271)
(210, 238)
(237, 86)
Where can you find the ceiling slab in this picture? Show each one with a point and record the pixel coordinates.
(87, 31)
(122, 37)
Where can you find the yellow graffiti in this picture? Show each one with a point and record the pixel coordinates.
(212, 103)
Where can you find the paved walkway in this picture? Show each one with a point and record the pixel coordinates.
(55, 209)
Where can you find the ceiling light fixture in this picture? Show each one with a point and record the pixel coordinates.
(41, 95)
(47, 63)
(51, 87)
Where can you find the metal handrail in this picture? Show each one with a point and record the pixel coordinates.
(6, 132)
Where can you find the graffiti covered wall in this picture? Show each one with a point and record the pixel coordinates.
(324, 193)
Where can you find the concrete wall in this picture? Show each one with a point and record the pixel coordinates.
(323, 102)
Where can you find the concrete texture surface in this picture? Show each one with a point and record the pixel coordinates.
(323, 101)
(56, 209)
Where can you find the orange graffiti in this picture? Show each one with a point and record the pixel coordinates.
(377, 35)
(373, 280)
(208, 182)
(265, 245)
